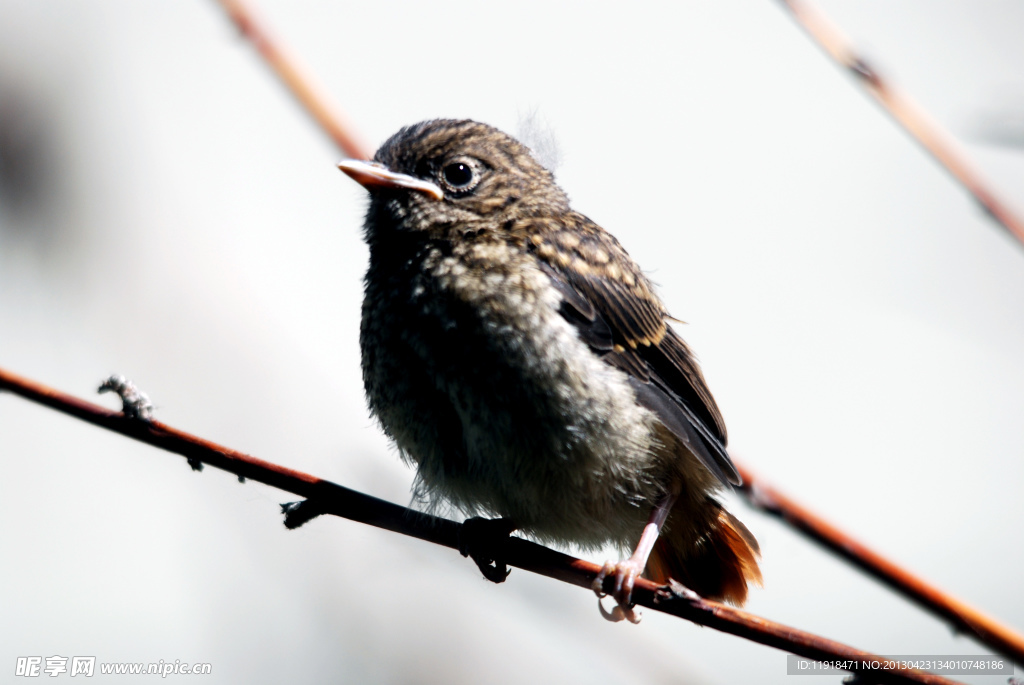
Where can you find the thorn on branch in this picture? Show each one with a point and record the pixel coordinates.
(135, 404)
(299, 513)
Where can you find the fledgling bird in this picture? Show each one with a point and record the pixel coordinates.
(520, 359)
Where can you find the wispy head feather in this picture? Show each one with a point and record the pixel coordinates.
(537, 134)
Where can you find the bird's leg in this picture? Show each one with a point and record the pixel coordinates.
(482, 540)
(626, 572)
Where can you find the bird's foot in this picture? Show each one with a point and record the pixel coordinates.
(482, 540)
(625, 574)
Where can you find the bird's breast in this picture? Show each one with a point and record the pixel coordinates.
(494, 397)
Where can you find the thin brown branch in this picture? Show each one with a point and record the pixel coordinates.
(906, 112)
(330, 498)
(297, 79)
(964, 617)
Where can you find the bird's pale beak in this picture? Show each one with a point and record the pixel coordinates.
(373, 175)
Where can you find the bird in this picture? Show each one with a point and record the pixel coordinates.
(522, 362)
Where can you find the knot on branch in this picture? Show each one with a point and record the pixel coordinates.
(298, 513)
(674, 591)
(135, 404)
(860, 67)
(675, 598)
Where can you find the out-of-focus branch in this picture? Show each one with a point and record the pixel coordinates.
(297, 79)
(964, 617)
(906, 112)
(325, 497)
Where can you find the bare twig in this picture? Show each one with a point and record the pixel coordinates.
(906, 112)
(298, 80)
(964, 617)
(330, 498)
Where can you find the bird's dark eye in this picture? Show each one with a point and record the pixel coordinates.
(458, 174)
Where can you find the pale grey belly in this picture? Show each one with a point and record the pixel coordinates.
(504, 420)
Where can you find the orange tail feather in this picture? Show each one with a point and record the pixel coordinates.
(718, 565)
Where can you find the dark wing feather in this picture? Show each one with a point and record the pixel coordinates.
(625, 324)
(578, 311)
(683, 427)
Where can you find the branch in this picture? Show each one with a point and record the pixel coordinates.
(325, 497)
(906, 112)
(297, 79)
(964, 617)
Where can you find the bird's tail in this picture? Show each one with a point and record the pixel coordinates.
(718, 565)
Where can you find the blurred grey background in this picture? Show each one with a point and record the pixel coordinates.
(168, 212)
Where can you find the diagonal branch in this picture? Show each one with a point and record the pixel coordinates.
(964, 617)
(330, 498)
(906, 113)
(297, 79)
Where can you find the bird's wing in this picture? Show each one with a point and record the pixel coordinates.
(615, 312)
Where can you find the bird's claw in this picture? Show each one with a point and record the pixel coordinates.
(618, 614)
(625, 574)
(480, 539)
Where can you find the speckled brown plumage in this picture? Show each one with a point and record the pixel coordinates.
(520, 359)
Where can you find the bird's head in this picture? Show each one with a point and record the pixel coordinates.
(445, 174)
